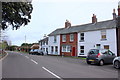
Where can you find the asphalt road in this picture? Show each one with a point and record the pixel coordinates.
(20, 65)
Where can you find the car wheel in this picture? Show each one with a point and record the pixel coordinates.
(88, 62)
(101, 63)
(117, 64)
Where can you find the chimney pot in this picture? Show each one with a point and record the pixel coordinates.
(94, 19)
(114, 14)
(67, 24)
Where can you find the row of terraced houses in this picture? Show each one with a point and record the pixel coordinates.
(79, 39)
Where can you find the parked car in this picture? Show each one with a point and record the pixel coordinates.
(36, 52)
(100, 56)
(116, 62)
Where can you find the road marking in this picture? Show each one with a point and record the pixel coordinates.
(27, 57)
(4, 57)
(34, 61)
(52, 73)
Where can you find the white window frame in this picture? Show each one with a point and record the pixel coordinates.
(71, 37)
(103, 33)
(66, 48)
(82, 36)
(63, 38)
(55, 39)
(81, 50)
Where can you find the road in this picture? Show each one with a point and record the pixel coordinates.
(20, 65)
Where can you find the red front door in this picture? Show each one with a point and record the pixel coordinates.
(73, 51)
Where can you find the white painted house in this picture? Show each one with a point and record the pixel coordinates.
(99, 37)
(43, 45)
(54, 45)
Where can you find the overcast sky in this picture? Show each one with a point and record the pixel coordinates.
(49, 15)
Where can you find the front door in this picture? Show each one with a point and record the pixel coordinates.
(73, 51)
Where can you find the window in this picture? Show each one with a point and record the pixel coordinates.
(52, 49)
(106, 46)
(66, 48)
(56, 48)
(63, 48)
(55, 39)
(81, 50)
(98, 46)
(81, 37)
(103, 35)
(63, 38)
(47, 50)
(71, 37)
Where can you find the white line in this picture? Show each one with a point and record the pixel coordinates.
(27, 57)
(52, 73)
(4, 57)
(34, 61)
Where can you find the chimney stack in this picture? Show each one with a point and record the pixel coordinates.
(118, 8)
(114, 14)
(67, 24)
(94, 19)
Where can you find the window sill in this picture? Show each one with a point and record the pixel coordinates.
(103, 39)
(81, 41)
(81, 54)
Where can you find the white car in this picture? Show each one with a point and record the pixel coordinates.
(116, 62)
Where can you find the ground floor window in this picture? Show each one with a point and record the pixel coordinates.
(56, 48)
(106, 46)
(66, 48)
(81, 50)
(52, 49)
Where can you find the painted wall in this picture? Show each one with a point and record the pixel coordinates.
(52, 43)
(91, 38)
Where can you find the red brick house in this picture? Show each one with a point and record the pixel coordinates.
(68, 42)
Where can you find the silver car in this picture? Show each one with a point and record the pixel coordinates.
(116, 62)
(100, 56)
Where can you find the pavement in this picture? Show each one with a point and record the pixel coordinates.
(20, 65)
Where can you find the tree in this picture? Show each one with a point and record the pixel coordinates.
(16, 14)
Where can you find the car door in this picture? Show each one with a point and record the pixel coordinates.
(111, 56)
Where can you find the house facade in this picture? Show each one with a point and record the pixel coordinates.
(43, 45)
(98, 39)
(54, 45)
(78, 40)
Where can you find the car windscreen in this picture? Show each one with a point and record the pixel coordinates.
(104, 51)
(35, 49)
(94, 51)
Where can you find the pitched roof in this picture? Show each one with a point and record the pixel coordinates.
(86, 27)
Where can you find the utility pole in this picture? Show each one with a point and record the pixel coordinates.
(25, 38)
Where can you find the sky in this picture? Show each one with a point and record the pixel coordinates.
(49, 15)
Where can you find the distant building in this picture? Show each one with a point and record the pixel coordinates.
(43, 45)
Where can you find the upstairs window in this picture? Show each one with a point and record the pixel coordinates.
(71, 37)
(63, 38)
(81, 37)
(55, 39)
(103, 35)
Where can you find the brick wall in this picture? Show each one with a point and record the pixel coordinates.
(68, 42)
